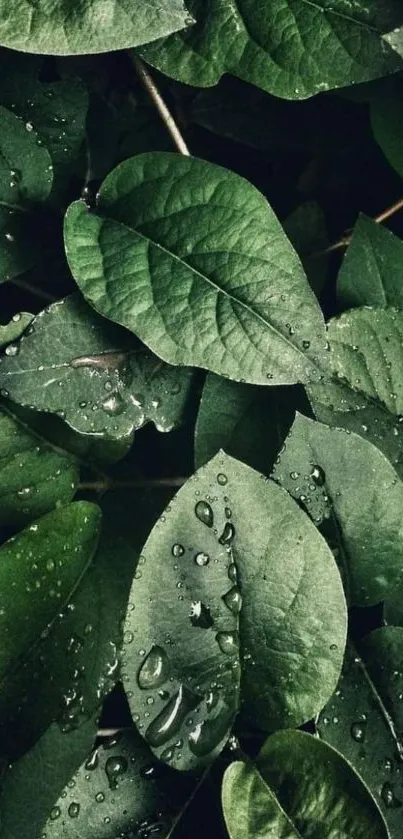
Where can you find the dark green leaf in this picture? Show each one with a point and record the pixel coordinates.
(248, 422)
(306, 230)
(13, 330)
(224, 522)
(33, 784)
(305, 790)
(93, 374)
(336, 474)
(191, 258)
(371, 271)
(387, 123)
(65, 29)
(34, 477)
(382, 651)
(356, 722)
(292, 50)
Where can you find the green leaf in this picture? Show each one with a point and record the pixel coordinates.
(40, 570)
(93, 374)
(326, 470)
(65, 29)
(356, 722)
(33, 784)
(382, 651)
(26, 174)
(191, 258)
(34, 477)
(181, 649)
(13, 330)
(387, 124)
(280, 47)
(304, 789)
(370, 274)
(306, 230)
(249, 422)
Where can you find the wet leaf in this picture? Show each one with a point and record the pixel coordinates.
(13, 330)
(370, 274)
(91, 373)
(206, 276)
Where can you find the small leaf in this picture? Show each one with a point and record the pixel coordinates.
(355, 722)
(64, 29)
(249, 422)
(216, 543)
(304, 789)
(33, 784)
(370, 274)
(94, 375)
(326, 470)
(219, 287)
(34, 477)
(280, 47)
(13, 330)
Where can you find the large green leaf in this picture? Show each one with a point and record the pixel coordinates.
(356, 722)
(181, 660)
(32, 785)
(191, 258)
(301, 789)
(26, 174)
(293, 50)
(326, 469)
(34, 477)
(248, 422)
(40, 570)
(370, 274)
(93, 374)
(63, 28)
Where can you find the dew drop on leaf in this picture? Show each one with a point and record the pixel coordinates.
(228, 534)
(318, 475)
(204, 513)
(233, 600)
(74, 809)
(178, 550)
(222, 479)
(358, 731)
(202, 559)
(388, 796)
(154, 670)
(114, 767)
(228, 642)
(169, 721)
(200, 615)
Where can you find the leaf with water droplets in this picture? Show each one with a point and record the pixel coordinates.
(40, 572)
(13, 330)
(370, 273)
(96, 376)
(34, 477)
(205, 273)
(362, 726)
(279, 47)
(347, 485)
(299, 788)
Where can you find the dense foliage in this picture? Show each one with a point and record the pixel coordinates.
(201, 408)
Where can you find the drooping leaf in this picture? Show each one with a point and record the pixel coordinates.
(65, 29)
(293, 50)
(11, 331)
(33, 784)
(93, 374)
(370, 274)
(191, 258)
(34, 477)
(248, 422)
(40, 569)
(356, 722)
(216, 543)
(26, 174)
(333, 473)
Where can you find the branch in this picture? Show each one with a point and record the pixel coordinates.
(108, 483)
(345, 240)
(159, 103)
(31, 289)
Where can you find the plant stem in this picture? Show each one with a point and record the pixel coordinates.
(159, 103)
(31, 289)
(138, 483)
(383, 216)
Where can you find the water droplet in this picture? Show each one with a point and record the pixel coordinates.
(204, 513)
(128, 637)
(228, 642)
(29, 127)
(232, 573)
(306, 345)
(228, 534)
(202, 559)
(388, 796)
(358, 731)
(100, 797)
(318, 476)
(222, 479)
(169, 721)
(178, 550)
(154, 670)
(113, 405)
(12, 350)
(50, 565)
(114, 767)
(200, 615)
(74, 809)
(207, 735)
(92, 761)
(54, 813)
(233, 599)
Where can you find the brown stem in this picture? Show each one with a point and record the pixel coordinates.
(345, 240)
(138, 483)
(159, 103)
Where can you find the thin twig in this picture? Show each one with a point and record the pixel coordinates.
(159, 103)
(345, 240)
(31, 289)
(138, 483)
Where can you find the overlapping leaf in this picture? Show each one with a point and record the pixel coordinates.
(192, 259)
(370, 274)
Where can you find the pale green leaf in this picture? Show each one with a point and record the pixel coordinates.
(65, 29)
(356, 722)
(293, 50)
(13, 330)
(34, 477)
(191, 258)
(371, 271)
(91, 373)
(326, 470)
